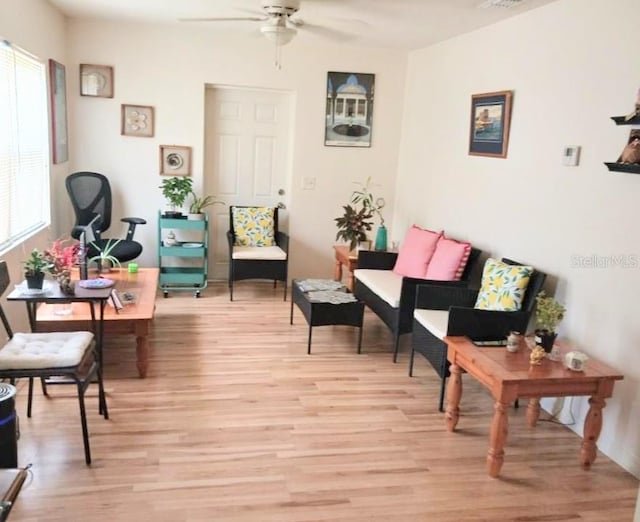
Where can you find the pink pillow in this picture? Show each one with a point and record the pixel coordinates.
(449, 260)
(416, 251)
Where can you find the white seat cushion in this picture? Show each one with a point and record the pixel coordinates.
(33, 351)
(386, 284)
(436, 321)
(265, 253)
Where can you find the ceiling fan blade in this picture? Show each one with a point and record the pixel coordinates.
(326, 32)
(225, 19)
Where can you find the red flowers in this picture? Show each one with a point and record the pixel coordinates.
(62, 256)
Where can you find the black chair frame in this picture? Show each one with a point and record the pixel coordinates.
(478, 325)
(272, 269)
(400, 320)
(82, 375)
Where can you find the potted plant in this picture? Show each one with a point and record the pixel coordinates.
(176, 190)
(375, 205)
(549, 313)
(199, 204)
(105, 260)
(353, 225)
(34, 268)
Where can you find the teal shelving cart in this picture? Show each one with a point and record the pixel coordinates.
(192, 251)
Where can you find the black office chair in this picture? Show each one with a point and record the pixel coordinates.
(90, 195)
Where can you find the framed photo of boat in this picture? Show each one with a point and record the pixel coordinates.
(489, 127)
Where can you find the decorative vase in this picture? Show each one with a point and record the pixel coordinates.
(381, 239)
(545, 338)
(35, 281)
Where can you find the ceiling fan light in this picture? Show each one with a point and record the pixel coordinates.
(279, 34)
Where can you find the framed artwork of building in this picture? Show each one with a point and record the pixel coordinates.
(349, 109)
(490, 120)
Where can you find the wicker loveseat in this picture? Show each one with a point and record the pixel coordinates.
(392, 296)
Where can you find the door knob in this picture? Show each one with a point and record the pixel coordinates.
(281, 205)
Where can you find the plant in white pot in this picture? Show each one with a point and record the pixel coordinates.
(549, 313)
(176, 190)
(198, 204)
(104, 260)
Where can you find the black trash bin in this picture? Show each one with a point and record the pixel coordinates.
(8, 427)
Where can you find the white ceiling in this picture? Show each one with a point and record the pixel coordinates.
(402, 24)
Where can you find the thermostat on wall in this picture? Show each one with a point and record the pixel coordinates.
(571, 156)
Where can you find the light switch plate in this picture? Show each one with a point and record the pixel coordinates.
(308, 183)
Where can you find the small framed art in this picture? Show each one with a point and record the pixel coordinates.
(96, 80)
(137, 120)
(489, 128)
(175, 160)
(58, 93)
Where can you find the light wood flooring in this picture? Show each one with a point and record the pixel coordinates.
(235, 422)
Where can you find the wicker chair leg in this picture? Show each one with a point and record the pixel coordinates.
(83, 421)
(30, 399)
(442, 390)
(396, 347)
(413, 352)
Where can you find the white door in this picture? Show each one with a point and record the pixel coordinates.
(246, 159)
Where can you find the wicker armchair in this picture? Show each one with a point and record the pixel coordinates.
(258, 262)
(398, 316)
(441, 311)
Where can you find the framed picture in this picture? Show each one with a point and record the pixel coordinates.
(175, 160)
(137, 120)
(96, 80)
(489, 128)
(58, 94)
(349, 109)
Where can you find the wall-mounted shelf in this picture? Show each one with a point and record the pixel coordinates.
(620, 120)
(631, 168)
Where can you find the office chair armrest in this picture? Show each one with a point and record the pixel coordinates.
(435, 296)
(133, 221)
(282, 240)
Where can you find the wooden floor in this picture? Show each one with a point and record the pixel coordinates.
(235, 422)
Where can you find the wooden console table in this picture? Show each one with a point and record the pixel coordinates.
(348, 258)
(134, 318)
(510, 376)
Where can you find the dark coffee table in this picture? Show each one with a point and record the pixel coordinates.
(324, 313)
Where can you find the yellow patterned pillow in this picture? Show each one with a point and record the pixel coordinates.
(253, 226)
(503, 286)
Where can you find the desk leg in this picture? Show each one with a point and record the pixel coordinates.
(592, 428)
(497, 438)
(337, 271)
(533, 412)
(454, 393)
(142, 330)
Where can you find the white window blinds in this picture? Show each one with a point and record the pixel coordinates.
(24, 146)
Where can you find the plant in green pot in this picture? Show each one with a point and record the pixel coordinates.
(198, 204)
(34, 269)
(549, 313)
(176, 190)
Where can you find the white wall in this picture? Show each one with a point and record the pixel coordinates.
(36, 27)
(168, 68)
(571, 64)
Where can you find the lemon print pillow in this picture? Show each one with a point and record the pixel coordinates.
(503, 286)
(253, 226)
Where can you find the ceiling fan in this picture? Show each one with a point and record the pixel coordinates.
(277, 24)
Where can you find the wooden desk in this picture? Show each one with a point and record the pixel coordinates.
(134, 318)
(348, 258)
(509, 376)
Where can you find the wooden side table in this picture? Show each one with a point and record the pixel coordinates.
(348, 258)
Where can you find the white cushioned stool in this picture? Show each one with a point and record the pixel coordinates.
(44, 355)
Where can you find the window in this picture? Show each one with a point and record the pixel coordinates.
(24, 146)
